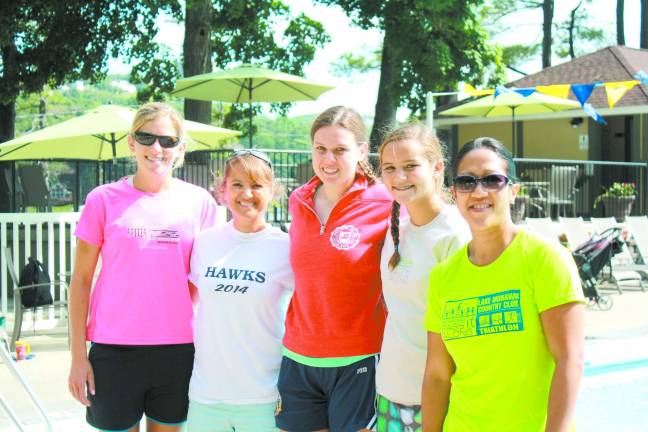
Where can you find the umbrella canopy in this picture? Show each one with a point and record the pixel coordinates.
(248, 83)
(100, 134)
(512, 104)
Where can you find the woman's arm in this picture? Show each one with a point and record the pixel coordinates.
(81, 374)
(564, 331)
(439, 368)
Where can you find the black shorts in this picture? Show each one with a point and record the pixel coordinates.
(340, 399)
(135, 380)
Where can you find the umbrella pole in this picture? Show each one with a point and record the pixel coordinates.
(250, 107)
(513, 135)
(250, 122)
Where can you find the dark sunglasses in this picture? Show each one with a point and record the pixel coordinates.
(252, 152)
(148, 139)
(491, 182)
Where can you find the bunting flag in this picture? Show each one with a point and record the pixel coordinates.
(556, 90)
(582, 92)
(590, 111)
(642, 77)
(501, 90)
(524, 91)
(616, 90)
(472, 91)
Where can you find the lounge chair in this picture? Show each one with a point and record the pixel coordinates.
(638, 226)
(620, 276)
(544, 227)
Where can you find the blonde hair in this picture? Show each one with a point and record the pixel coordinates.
(433, 151)
(154, 110)
(255, 169)
(349, 119)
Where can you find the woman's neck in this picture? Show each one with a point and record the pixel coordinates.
(249, 226)
(425, 210)
(486, 246)
(151, 184)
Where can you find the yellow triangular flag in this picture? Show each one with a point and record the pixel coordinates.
(472, 91)
(616, 90)
(555, 90)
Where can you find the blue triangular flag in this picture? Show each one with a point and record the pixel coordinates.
(642, 77)
(583, 92)
(590, 111)
(524, 91)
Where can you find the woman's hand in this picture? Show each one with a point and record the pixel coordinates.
(81, 378)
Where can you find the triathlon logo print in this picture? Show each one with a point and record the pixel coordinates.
(345, 237)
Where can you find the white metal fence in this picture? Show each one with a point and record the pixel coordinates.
(47, 237)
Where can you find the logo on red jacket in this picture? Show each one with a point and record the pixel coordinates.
(345, 237)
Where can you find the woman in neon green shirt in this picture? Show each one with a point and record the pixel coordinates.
(504, 316)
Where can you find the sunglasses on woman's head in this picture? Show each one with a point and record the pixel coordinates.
(147, 139)
(490, 182)
(252, 152)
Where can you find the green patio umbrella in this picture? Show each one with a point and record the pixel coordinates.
(248, 83)
(512, 104)
(100, 134)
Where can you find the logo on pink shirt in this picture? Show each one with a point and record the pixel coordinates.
(345, 237)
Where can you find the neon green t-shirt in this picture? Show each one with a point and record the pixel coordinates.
(489, 318)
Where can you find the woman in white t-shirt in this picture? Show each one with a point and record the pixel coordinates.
(242, 275)
(411, 161)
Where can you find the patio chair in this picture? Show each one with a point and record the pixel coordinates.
(559, 193)
(34, 186)
(19, 310)
(577, 233)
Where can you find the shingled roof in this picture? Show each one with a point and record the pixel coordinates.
(614, 63)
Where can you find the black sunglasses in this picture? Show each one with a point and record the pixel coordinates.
(252, 152)
(147, 139)
(490, 182)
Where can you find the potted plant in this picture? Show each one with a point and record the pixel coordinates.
(519, 205)
(617, 199)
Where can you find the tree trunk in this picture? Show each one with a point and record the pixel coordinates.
(620, 25)
(548, 12)
(643, 38)
(572, 26)
(197, 54)
(387, 102)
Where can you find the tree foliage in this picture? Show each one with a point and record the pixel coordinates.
(427, 46)
(50, 42)
(575, 36)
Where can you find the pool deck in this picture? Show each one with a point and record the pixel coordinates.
(613, 395)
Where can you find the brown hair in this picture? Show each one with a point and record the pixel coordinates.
(349, 119)
(432, 151)
(254, 168)
(154, 110)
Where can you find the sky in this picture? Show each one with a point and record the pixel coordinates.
(360, 91)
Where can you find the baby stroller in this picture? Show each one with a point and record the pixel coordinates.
(594, 261)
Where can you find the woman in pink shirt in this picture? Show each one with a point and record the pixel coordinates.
(138, 315)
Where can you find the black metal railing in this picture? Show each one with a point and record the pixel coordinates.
(552, 187)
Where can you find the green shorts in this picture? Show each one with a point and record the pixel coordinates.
(227, 417)
(395, 417)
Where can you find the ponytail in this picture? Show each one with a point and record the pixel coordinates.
(366, 169)
(395, 213)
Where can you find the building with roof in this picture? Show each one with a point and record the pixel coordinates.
(573, 135)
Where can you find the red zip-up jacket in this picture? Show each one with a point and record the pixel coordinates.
(337, 309)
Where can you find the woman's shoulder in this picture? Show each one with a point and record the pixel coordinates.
(377, 192)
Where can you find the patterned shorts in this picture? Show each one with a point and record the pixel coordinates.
(394, 417)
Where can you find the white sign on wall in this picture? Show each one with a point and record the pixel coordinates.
(583, 142)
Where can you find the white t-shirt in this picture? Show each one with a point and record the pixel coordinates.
(245, 282)
(399, 376)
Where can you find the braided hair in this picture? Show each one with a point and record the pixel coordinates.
(395, 221)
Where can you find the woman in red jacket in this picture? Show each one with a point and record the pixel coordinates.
(336, 317)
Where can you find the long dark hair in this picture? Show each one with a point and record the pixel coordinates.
(495, 146)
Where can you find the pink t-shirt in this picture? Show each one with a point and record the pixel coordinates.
(142, 295)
